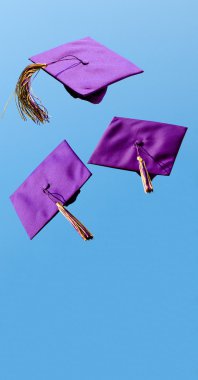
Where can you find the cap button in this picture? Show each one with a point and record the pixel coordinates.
(85, 63)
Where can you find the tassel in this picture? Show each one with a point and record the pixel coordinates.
(147, 184)
(28, 104)
(80, 228)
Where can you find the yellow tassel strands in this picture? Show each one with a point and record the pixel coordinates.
(28, 104)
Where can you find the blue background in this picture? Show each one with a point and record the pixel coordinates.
(125, 305)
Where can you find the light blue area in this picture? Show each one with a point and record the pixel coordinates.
(124, 306)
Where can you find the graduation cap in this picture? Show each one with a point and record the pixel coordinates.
(146, 147)
(84, 67)
(54, 184)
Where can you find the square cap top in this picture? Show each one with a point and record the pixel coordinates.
(85, 67)
(63, 173)
(125, 139)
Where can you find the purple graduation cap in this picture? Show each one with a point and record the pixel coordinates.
(146, 147)
(54, 184)
(84, 67)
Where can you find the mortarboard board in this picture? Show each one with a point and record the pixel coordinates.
(55, 183)
(84, 67)
(146, 147)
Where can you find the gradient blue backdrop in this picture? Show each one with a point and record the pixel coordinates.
(124, 306)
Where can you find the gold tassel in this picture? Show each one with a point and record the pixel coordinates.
(28, 104)
(146, 180)
(80, 228)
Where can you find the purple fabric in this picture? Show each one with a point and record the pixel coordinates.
(64, 172)
(158, 145)
(100, 68)
(95, 97)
